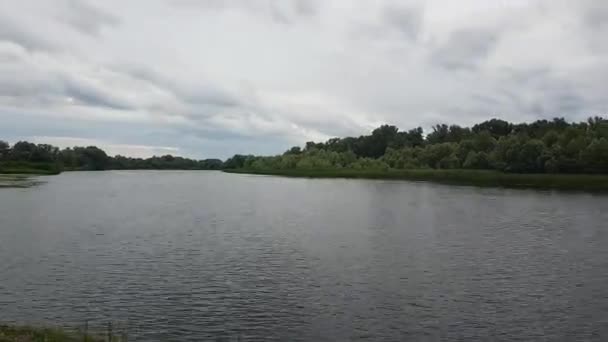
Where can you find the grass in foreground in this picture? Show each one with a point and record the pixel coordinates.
(31, 334)
(486, 178)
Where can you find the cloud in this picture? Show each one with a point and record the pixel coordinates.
(198, 92)
(47, 80)
(596, 15)
(213, 78)
(87, 18)
(77, 91)
(12, 32)
(279, 11)
(464, 49)
(407, 20)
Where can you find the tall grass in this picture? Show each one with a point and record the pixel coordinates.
(20, 167)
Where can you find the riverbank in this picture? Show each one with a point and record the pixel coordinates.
(23, 168)
(10, 333)
(17, 181)
(483, 178)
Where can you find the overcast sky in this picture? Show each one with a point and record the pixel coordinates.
(211, 78)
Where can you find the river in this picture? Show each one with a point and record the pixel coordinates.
(191, 256)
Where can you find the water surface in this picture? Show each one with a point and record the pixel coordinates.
(191, 256)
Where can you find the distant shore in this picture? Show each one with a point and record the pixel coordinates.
(22, 177)
(485, 178)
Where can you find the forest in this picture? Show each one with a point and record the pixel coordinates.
(543, 146)
(27, 157)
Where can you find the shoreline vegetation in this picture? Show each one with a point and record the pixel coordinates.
(43, 159)
(552, 154)
(17, 181)
(481, 178)
(14, 333)
(29, 168)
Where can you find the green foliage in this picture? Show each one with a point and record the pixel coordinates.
(595, 156)
(23, 167)
(543, 146)
(468, 177)
(444, 133)
(236, 162)
(496, 127)
(440, 156)
(33, 334)
(476, 160)
(4, 150)
(404, 158)
(26, 157)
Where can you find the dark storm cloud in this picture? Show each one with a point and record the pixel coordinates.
(464, 49)
(87, 18)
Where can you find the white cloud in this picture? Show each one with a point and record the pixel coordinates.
(218, 77)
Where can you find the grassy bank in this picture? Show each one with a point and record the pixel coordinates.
(37, 334)
(13, 167)
(464, 177)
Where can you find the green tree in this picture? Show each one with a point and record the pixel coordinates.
(236, 162)
(91, 158)
(529, 157)
(439, 155)
(4, 149)
(551, 138)
(498, 128)
(484, 141)
(22, 151)
(476, 160)
(294, 150)
(595, 156)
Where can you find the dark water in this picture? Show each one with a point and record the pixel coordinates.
(191, 256)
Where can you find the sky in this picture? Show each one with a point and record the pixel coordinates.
(212, 78)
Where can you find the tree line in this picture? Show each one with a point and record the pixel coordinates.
(543, 146)
(25, 154)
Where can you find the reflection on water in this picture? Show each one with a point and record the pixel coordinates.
(205, 255)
